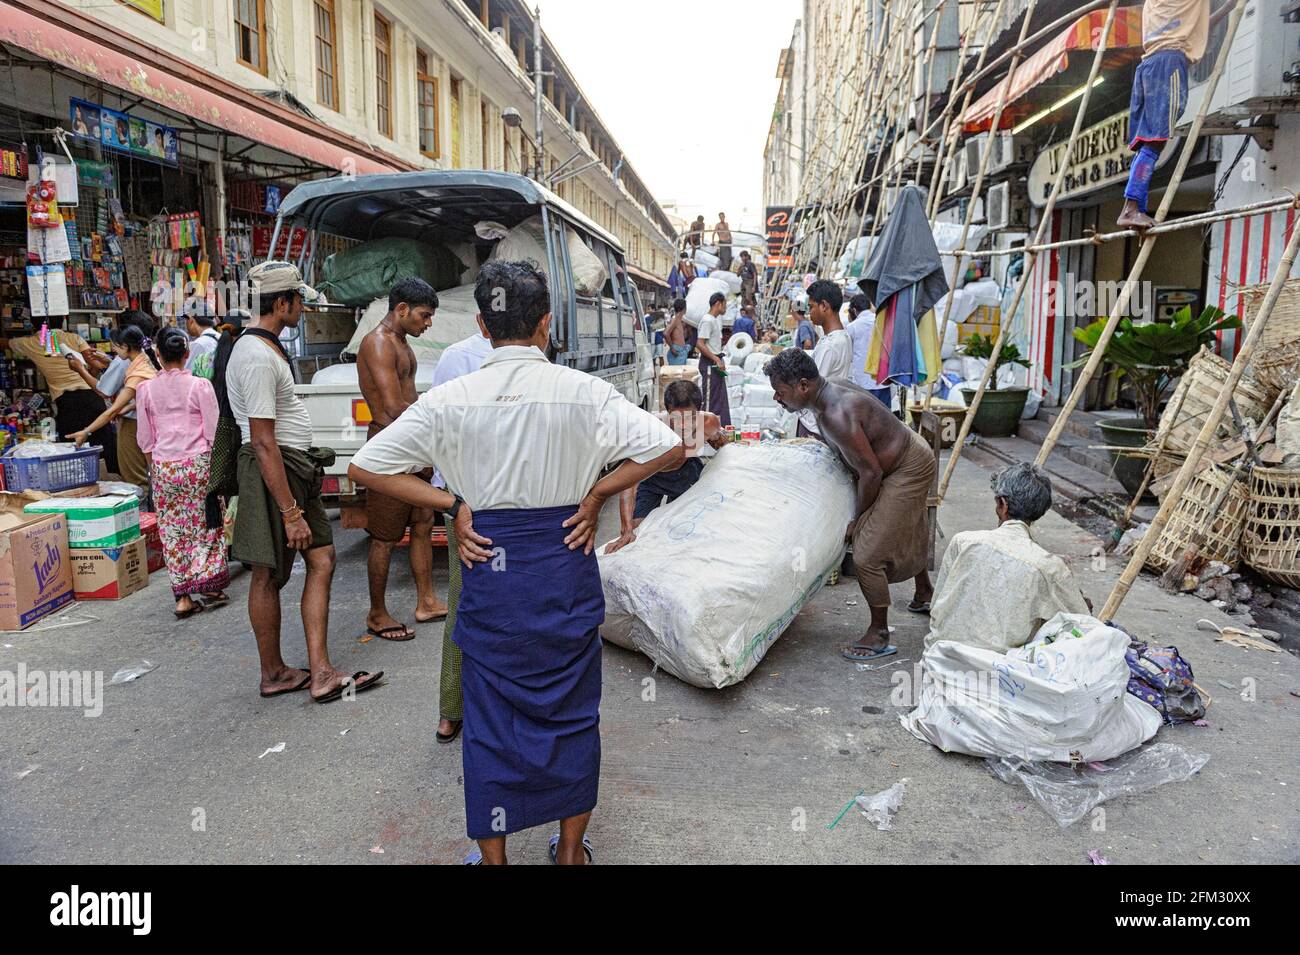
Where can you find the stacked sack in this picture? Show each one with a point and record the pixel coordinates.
(753, 403)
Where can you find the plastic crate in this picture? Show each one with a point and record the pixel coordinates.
(55, 473)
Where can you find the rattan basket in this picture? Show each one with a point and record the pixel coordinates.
(1223, 537)
(1206, 375)
(1271, 542)
(1277, 356)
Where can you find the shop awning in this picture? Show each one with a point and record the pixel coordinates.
(1125, 40)
(58, 33)
(644, 276)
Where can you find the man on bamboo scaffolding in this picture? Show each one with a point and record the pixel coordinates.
(894, 469)
(997, 587)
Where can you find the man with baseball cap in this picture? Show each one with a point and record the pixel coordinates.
(280, 511)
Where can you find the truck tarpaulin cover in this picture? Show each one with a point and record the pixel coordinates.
(717, 575)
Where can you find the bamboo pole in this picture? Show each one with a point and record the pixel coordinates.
(1031, 259)
(1148, 244)
(1211, 425)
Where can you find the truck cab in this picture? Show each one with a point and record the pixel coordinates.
(598, 327)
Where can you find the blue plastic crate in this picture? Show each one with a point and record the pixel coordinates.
(56, 473)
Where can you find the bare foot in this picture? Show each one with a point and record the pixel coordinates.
(448, 730)
(184, 604)
(1135, 219)
(435, 610)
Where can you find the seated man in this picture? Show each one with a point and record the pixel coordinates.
(684, 403)
(997, 587)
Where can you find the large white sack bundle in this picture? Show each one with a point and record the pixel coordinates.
(1059, 701)
(527, 241)
(738, 347)
(706, 259)
(698, 295)
(759, 394)
(748, 546)
(729, 279)
(345, 373)
(455, 318)
(756, 362)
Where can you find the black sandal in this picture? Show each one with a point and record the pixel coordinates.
(196, 606)
(450, 737)
(352, 681)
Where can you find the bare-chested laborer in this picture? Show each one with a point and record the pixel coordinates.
(675, 334)
(386, 372)
(683, 412)
(894, 469)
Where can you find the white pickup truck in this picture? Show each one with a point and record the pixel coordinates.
(602, 334)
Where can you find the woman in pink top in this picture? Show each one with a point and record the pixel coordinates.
(177, 419)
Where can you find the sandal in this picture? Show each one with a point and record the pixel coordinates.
(353, 681)
(213, 601)
(863, 654)
(586, 847)
(294, 689)
(922, 608)
(196, 606)
(450, 737)
(397, 634)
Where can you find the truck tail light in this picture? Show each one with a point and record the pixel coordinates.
(361, 412)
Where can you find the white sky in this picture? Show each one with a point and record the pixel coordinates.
(687, 89)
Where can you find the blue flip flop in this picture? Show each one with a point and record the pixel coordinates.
(862, 656)
(586, 847)
(473, 857)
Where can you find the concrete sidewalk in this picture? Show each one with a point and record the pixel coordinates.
(753, 773)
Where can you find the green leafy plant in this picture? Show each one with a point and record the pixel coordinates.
(1151, 356)
(981, 346)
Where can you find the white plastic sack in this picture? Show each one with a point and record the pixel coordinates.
(756, 362)
(1060, 701)
(734, 585)
(706, 260)
(527, 241)
(698, 295)
(759, 394)
(739, 347)
(729, 279)
(456, 318)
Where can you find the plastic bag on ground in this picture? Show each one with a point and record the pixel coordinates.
(881, 807)
(1069, 793)
(748, 545)
(1061, 698)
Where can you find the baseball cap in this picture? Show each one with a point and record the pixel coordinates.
(270, 277)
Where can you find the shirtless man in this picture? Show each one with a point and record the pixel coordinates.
(722, 238)
(675, 334)
(683, 403)
(894, 469)
(386, 373)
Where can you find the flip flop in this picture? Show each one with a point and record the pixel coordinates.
(922, 608)
(554, 847)
(436, 616)
(338, 691)
(863, 654)
(451, 738)
(220, 600)
(473, 857)
(301, 686)
(386, 633)
(197, 607)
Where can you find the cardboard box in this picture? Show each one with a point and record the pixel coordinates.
(109, 520)
(110, 573)
(966, 329)
(35, 568)
(153, 540)
(670, 373)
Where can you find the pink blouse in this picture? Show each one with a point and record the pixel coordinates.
(176, 415)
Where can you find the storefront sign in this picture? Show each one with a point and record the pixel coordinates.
(153, 8)
(124, 133)
(13, 162)
(777, 226)
(1100, 158)
(262, 244)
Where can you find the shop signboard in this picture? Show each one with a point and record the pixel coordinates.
(1100, 158)
(153, 8)
(776, 223)
(124, 133)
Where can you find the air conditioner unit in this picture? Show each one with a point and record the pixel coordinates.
(1262, 70)
(973, 149)
(957, 171)
(1009, 150)
(1004, 211)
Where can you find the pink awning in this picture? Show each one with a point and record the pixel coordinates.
(61, 35)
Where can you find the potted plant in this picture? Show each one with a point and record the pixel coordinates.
(999, 412)
(1150, 357)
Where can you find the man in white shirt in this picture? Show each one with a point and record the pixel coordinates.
(459, 358)
(713, 369)
(833, 353)
(280, 511)
(525, 443)
(200, 322)
(862, 323)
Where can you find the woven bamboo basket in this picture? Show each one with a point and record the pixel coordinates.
(1277, 357)
(1206, 375)
(1271, 542)
(1223, 537)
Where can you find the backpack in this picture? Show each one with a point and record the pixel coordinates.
(1161, 677)
(223, 477)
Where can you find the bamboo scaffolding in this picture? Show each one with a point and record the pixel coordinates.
(1211, 425)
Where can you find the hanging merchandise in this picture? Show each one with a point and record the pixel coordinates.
(42, 205)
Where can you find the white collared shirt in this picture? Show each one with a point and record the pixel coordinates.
(518, 433)
(461, 358)
(833, 355)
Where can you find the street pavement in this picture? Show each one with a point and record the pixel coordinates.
(176, 769)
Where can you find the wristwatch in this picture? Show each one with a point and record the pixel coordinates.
(455, 506)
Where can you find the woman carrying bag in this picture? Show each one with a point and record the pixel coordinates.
(177, 415)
